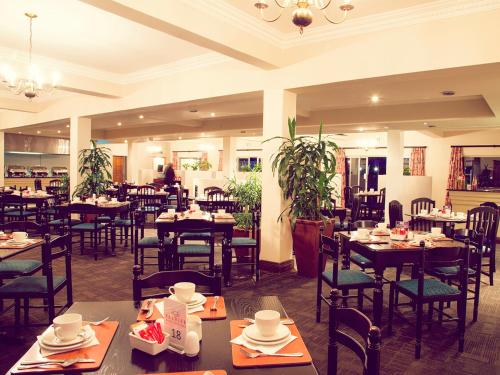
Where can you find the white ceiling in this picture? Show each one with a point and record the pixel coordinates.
(78, 33)
(362, 8)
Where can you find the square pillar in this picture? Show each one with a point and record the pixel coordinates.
(2, 158)
(276, 237)
(228, 156)
(79, 139)
(394, 168)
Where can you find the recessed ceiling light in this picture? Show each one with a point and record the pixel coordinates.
(125, 141)
(375, 99)
(119, 124)
(202, 134)
(448, 92)
(67, 126)
(431, 126)
(19, 132)
(193, 110)
(141, 116)
(361, 129)
(180, 138)
(425, 123)
(212, 114)
(38, 132)
(386, 127)
(58, 132)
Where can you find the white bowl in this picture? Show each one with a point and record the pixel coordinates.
(152, 348)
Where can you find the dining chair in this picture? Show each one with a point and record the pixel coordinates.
(417, 205)
(368, 351)
(451, 275)
(216, 200)
(344, 280)
(125, 224)
(348, 197)
(252, 245)
(149, 201)
(208, 189)
(489, 204)
(183, 251)
(45, 286)
(487, 218)
(421, 290)
(60, 221)
(165, 279)
(37, 184)
(395, 213)
(358, 259)
(14, 208)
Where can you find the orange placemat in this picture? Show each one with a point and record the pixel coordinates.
(30, 242)
(104, 333)
(297, 345)
(221, 312)
(215, 372)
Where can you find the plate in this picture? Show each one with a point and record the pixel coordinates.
(198, 299)
(253, 333)
(265, 343)
(49, 339)
(67, 347)
(12, 242)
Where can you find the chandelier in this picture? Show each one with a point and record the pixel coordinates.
(32, 83)
(302, 15)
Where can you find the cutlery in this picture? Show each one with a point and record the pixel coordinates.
(214, 306)
(284, 321)
(208, 373)
(98, 323)
(63, 363)
(52, 361)
(148, 307)
(256, 355)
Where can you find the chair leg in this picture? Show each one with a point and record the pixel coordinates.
(391, 308)
(345, 292)
(94, 245)
(26, 306)
(491, 268)
(430, 313)
(82, 242)
(440, 313)
(142, 261)
(418, 330)
(257, 264)
(17, 311)
(399, 270)
(477, 290)
(360, 299)
(461, 324)
(126, 235)
(52, 309)
(318, 300)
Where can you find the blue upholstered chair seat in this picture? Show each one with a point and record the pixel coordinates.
(17, 213)
(123, 222)
(88, 226)
(64, 222)
(12, 268)
(193, 250)
(29, 284)
(432, 288)
(448, 271)
(103, 219)
(349, 278)
(361, 261)
(243, 242)
(195, 236)
(152, 242)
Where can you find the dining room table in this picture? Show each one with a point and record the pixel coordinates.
(215, 348)
(385, 253)
(446, 223)
(222, 224)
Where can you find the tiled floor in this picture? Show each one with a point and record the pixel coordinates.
(109, 278)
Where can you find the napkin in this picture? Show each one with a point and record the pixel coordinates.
(159, 306)
(266, 349)
(45, 352)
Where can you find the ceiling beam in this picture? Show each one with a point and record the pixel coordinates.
(22, 105)
(194, 25)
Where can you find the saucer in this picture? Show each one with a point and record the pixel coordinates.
(12, 242)
(253, 333)
(265, 343)
(50, 340)
(198, 300)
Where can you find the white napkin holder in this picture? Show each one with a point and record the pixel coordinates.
(150, 347)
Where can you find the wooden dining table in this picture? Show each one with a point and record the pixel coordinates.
(215, 348)
(384, 255)
(446, 223)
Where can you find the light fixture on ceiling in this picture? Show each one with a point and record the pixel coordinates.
(448, 93)
(202, 134)
(67, 125)
(58, 132)
(212, 114)
(125, 141)
(141, 116)
(19, 132)
(425, 123)
(179, 137)
(32, 84)
(386, 127)
(375, 98)
(361, 129)
(193, 110)
(302, 15)
(119, 124)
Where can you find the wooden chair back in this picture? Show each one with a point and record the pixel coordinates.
(348, 196)
(29, 227)
(485, 218)
(38, 184)
(56, 183)
(146, 194)
(395, 213)
(211, 188)
(329, 247)
(489, 204)
(355, 189)
(368, 351)
(417, 205)
(164, 279)
(61, 245)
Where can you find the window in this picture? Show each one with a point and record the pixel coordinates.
(247, 164)
(186, 163)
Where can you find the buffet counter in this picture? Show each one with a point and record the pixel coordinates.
(28, 181)
(463, 200)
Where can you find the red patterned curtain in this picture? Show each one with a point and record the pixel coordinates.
(456, 175)
(175, 160)
(340, 169)
(204, 156)
(221, 160)
(417, 161)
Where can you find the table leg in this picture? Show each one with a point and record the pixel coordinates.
(113, 235)
(226, 259)
(378, 297)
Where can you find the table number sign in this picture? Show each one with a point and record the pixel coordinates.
(175, 315)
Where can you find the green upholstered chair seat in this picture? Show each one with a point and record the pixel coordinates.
(448, 271)
(29, 284)
(361, 261)
(193, 250)
(243, 242)
(349, 278)
(432, 288)
(152, 242)
(64, 222)
(123, 222)
(195, 236)
(87, 226)
(18, 213)
(11, 268)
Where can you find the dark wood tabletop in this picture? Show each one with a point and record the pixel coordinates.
(215, 350)
(8, 253)
(439, 219)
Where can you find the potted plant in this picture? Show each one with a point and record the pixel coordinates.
(248, 193)
(95, 165)
(306, 167)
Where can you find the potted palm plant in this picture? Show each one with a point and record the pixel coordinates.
(95, 165)
(306, 167)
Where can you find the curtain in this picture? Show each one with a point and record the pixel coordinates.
(175, 160)
(340, 169)
(456, 175)
(204, 156)
(417, 161)
(221, 160)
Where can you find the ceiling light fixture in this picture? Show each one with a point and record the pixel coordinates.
(302, 15)
(58, 132)
(180, 138)
(38, 132)
(375, 99)
(32, 84)
(125, 141)
(202, 134)
(448, 92)
(212, 114)
(141, 116)
(67, 126)
(119, 124)
(361, 129)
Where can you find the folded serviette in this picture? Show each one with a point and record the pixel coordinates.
(88, 330)
(159, 306)
(266, 349)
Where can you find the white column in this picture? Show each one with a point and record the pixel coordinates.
(394, 168)
(2, 158)
(276, 245)
(132, 163)
(79, 139)
(228, 156)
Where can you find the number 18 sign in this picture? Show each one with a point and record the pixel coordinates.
(175, 315)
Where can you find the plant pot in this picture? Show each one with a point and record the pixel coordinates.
(241, 254)
(306, 245)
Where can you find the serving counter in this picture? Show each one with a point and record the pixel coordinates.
(28, 181)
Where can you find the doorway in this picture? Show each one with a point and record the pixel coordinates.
(119, 169)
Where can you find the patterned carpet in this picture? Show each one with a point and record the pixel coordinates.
(109, 278)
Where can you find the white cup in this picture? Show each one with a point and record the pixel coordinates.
(19, 236)
(372, 190)
(195, 207)
(171, 211)
(194, 325)
(67, 326)
(183, 291)
(382, 226)
(221, 211)
(362, 233)
(114, 200)
(267, 322)
(436, 231)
